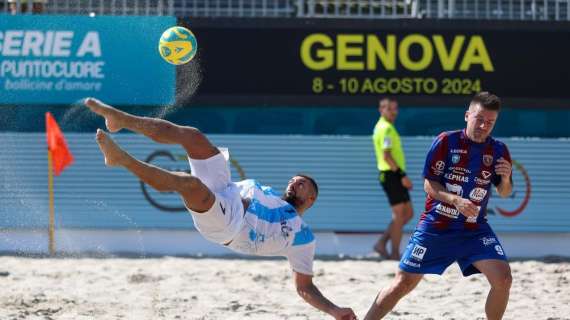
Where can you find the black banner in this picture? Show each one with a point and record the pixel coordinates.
(414, 58)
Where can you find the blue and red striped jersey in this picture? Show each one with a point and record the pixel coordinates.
(465, 168)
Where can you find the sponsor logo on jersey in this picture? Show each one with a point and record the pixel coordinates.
(485, 174)
(418, 252)
(477, 194)
(438, 168)
(499, 250)
(456, 177)
(487, 159)
(454, 188)
(487, 241)
(460, 170)
(458, 151)
(411, 263)
(481, 182)
(447, 211)
(285, 229)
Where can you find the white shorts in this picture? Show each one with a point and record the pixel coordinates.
(224, 219)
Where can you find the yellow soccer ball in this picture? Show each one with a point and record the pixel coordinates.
(177, 45)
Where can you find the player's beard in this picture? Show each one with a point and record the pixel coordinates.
(293, 200)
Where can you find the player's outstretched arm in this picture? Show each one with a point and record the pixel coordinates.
(310, 293)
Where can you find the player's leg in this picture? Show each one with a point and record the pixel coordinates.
(425, 253)
(194, 193)
(386, 181)
(399, 199)
(498, 273)
(408, 212)
(194, 142)
(399, 219)
(380, 245)
(386, 300)
(401, 214)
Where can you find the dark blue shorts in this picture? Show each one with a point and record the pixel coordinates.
(433, 253)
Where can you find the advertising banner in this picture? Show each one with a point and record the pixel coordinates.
(89, 195)
(347, 59)
(60, 59)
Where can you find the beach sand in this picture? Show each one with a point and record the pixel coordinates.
(199, 288)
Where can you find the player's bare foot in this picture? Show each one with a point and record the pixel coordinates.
(381, 249)
(112, 116)
(114, 155)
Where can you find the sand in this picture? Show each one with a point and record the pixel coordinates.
(194, 288)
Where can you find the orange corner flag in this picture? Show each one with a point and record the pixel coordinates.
(57, 146)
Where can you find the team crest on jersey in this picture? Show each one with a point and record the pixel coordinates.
(455, 158)
(487, 160)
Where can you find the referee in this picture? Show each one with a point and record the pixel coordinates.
(392, 166)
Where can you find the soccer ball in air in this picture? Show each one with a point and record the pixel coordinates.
(177, 45)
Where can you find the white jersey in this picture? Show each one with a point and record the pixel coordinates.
(268, 227)
(272, 227)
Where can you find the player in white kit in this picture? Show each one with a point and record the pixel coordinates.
(244, 216)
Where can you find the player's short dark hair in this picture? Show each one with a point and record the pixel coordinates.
(384, 102)
(313, 182)
(487, 100)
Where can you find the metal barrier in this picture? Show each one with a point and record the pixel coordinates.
(548, 10)
(360, 9)
(553, 10)
(437, 9)
(180, 8)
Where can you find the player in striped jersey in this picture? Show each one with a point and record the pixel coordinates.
(460, 168)
(244, 216)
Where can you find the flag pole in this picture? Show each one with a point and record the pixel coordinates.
(59, 157)
(51, 230)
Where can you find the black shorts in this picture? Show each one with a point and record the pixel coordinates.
(392, 184)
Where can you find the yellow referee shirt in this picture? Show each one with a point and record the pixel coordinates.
(386, 137)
